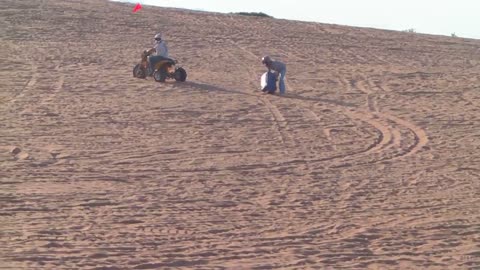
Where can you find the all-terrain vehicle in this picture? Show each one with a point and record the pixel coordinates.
(164, 69)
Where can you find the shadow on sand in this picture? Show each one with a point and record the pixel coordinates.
(209, 87)
(293, 96)
(329, 101)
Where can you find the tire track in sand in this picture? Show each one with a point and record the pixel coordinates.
(385, 136)
(280, 123)
(388, 126)
(391, 134)
(58, 85)
(29, 85)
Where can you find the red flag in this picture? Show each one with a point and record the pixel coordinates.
(137, 8)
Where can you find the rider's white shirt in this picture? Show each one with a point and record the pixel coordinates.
(161, 48)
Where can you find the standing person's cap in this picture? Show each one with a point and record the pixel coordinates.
(266, 59)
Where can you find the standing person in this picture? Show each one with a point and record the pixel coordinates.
(279, 68)
(159, 50)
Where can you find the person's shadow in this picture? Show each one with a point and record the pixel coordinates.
(209, 87)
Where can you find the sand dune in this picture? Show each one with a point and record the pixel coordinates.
(371, 161)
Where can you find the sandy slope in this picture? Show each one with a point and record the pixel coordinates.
(372, 161)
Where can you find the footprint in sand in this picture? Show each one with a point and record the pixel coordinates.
(57, 153)
(17, 152)
(23, 156)
(14, 150)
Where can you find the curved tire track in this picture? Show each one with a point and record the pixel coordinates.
(389, 135)
(281, 123)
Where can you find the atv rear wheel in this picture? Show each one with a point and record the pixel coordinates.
(160, 75)
(180, 74)
(139, 72)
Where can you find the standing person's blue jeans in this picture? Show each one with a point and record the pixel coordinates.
(281, 83)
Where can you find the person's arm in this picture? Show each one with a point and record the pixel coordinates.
(270, 68)
(152, 50)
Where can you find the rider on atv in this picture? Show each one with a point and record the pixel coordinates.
(159, 50)
(156, 63)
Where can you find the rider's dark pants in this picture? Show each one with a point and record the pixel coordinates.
(154, 59)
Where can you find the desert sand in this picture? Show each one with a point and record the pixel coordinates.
(371, 160)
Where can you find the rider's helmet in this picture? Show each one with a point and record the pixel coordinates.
(266, 60)
(158, 36)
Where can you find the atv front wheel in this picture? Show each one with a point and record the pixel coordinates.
(160, 75)
(180, 75)
(139, 72)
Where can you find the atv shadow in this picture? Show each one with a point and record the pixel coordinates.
(209, 87)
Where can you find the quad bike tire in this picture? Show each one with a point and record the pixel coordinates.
(160, 76)
(139, 72)
(180, 74)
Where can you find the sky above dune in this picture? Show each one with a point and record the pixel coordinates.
(441, 17)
